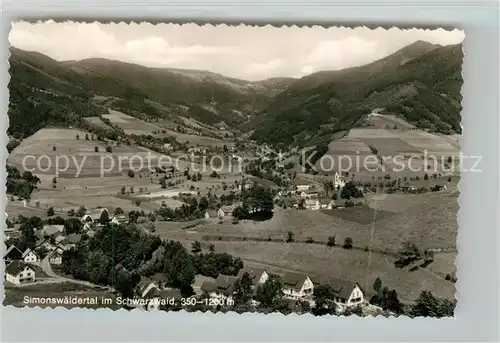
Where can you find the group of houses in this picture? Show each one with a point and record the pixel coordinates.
(295, 286)
(51, 242)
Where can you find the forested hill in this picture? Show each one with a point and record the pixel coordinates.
(421, 82)
(45, 91)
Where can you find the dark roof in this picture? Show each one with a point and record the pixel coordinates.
(170, 293)
(342, 288)
(14, 234)
(16, 267)
(255, 274)
(74, 238)
(294, 280)
(143, 283)
(159, 277)
(208, 286)
(225, 281)
(13, 253)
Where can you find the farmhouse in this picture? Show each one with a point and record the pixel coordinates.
(56, 257)
(222, 288)
(72, 240)
(156, 297)
(119, 220)
(94, 216)
(348, 294)
(29, 256)
(309, 194)
(50, 230)
(212, 214)
(160, 280)
(312, 204)
(45, 243)
(302, 185)
(13, 253)
(12, 234)
(18, 272)
(257, 275)
(297, 286)
(144, 286)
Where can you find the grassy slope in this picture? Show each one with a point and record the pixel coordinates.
(325, 102)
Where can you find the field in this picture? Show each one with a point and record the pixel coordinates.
(405, 152)
(321, 262)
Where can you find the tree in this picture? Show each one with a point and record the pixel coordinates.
(163, 183)
(290, 237)
(331, 241)
(104, 218)
(123, 190)
(211, 248)
(243, 289)
(77, 136)
(96, 149)
(427, 305)
(428, 256)
(72, 225)
(348, 243)
(50, 212)
(54, 148)
(408, 253)
(130, 173)
(81, 211)
(86, 136)
(109, 149)
(195, 247)
(54, 180)
(118, 211)
(323, 298)
(241, 213)
(377, 285)
(426, 176)
(270, 293)
(350, 190)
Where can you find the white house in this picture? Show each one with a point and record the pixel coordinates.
(257, 275)
(297, 286)
(18, 272)
(309, 194)
(29, 256)
(312, 204)
(56, 257)
(347, 294)
(119, 220)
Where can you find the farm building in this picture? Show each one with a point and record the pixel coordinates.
(145, 286)
(13, 253)
(29, 256)
(348, 294)
(18, 272)
(297, 286)
(257, 275)
(156, 297)
(119, 220)
(45, 243)
(302, 184)
(72, 240)
(56, 257)
(221, 288)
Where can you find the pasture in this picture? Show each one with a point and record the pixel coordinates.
(321, 261)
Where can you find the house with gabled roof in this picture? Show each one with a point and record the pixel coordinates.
(348, 293)
(46, 244)
(145, 286)
(18, 272)
(258, 275)
(29, 256)
(56, 256)
(221, 288)
(13, 253)
(166, 296)
(297, 286)
(72, 240)
(119, 220)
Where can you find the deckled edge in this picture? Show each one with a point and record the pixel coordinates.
(235, 23)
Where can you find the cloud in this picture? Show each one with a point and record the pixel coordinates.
(245, 52)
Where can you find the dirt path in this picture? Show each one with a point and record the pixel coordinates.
(45, 265)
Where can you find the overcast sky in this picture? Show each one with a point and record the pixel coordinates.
(250, 53)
